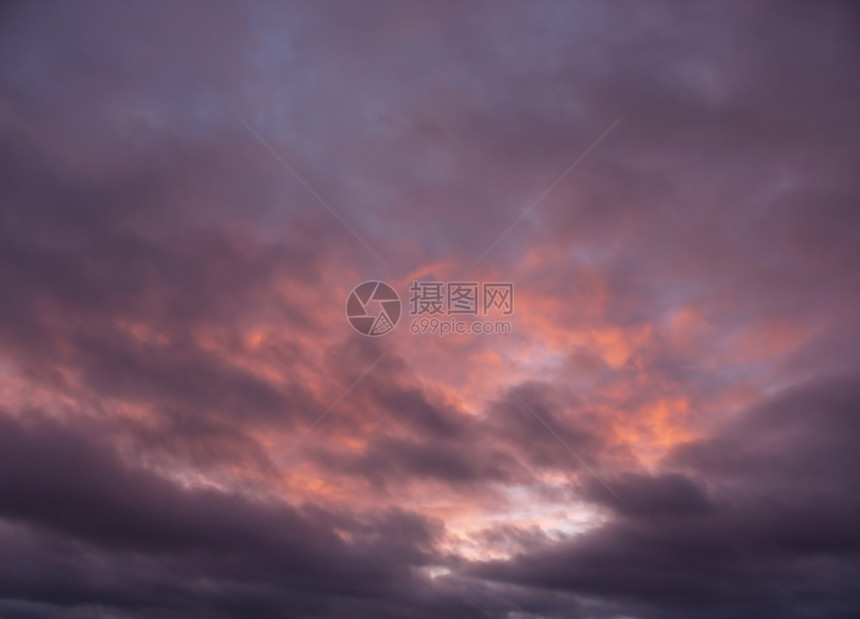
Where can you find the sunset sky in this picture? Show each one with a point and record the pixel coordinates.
(190, 426)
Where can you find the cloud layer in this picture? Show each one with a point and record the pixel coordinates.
(189, 426)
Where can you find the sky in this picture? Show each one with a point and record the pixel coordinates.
(667, 427)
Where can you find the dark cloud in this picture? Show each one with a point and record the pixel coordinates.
(760, 522)
(141, 536)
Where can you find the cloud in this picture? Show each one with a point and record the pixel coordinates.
(752, 520)
(190, 426)
(65, 491)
